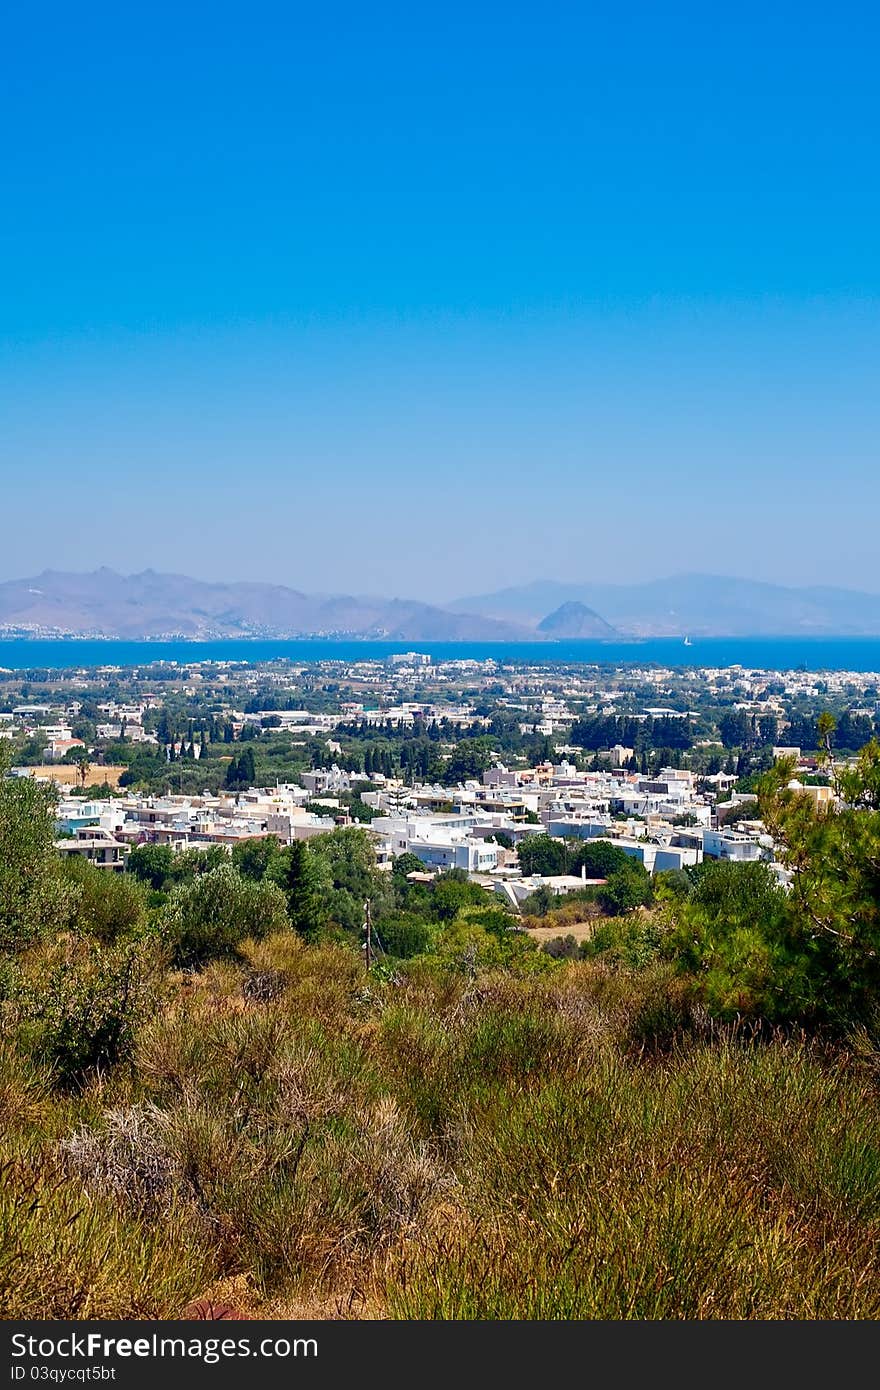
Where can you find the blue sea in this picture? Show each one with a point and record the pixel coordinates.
(765, 653)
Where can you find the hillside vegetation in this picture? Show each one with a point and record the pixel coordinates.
(204, 1093)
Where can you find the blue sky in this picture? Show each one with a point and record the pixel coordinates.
(431, 301)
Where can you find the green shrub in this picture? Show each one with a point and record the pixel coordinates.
(152, 864)
(633, 941)
(79, 1015)
(405, 935)
(212, 915)
(625, 889)
(34, 898)
(108, 904)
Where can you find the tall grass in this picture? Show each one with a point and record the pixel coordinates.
(577, 1144)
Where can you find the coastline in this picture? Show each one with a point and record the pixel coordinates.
(861, 654)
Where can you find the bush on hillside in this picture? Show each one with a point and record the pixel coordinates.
(211, 916)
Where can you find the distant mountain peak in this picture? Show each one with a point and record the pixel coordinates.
(573, 619)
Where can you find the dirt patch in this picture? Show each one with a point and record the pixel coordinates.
(581, 931)
(67, 775)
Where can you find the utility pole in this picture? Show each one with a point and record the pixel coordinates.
(368, 928)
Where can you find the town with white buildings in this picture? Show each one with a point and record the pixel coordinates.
(679, 792)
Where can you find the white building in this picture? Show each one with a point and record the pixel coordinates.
(97, 845)
(729, 845)
(437, 843)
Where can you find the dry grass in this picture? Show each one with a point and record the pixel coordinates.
(67, 775)
(581, 931)
(296, 1140)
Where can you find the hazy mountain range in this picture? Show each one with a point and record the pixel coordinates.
(104, 603)
(705, 605)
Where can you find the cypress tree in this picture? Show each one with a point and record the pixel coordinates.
(300, 885)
